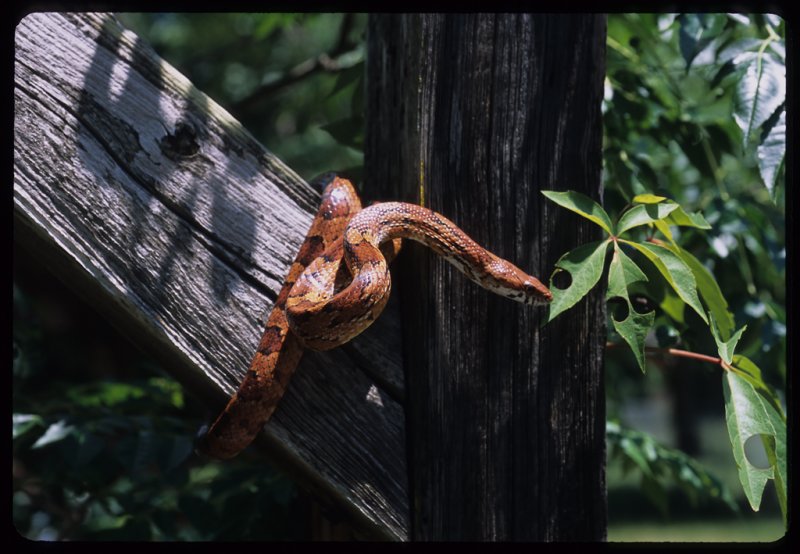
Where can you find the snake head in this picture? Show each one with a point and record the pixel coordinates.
(506, 279)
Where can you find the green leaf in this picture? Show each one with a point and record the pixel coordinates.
(643, 214)
(633, 329)
(760, 91)
(725, 348)
(771, 154)
(582, 205)
(585, 266)
(750, 370)
(675, 271)
(709, 291)
(747, 413)
(622, 272)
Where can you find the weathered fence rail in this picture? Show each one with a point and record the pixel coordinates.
(158, 207)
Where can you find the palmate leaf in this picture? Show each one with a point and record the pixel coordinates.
(748, 413)
(585, 264)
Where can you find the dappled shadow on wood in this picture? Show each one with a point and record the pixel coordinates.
(179, 227)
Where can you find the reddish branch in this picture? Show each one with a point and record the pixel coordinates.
(678, 353)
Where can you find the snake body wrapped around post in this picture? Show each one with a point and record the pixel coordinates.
(325, 303)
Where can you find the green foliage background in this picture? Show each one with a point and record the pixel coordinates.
(693, 105)
(102, 437)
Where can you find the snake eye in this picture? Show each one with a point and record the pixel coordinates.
(536, 293)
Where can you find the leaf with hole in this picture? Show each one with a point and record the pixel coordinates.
(585, 267)
(623, 272)
(748, 413)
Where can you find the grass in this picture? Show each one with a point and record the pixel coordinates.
(735, 530)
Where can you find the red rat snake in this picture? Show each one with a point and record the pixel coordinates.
(324, 303)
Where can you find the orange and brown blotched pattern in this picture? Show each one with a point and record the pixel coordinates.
(325, 303)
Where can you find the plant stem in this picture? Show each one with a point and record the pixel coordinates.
(677, 353)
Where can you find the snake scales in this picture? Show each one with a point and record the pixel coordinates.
(324, 303)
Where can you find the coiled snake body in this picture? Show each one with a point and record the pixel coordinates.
(325, 303)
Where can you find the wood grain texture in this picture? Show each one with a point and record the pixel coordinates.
(159, 208)
(474, 115)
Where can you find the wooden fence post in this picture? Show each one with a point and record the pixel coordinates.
(473, 115)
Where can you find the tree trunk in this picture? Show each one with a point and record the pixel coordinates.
(473, 115)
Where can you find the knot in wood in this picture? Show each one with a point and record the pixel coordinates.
(181, 143)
